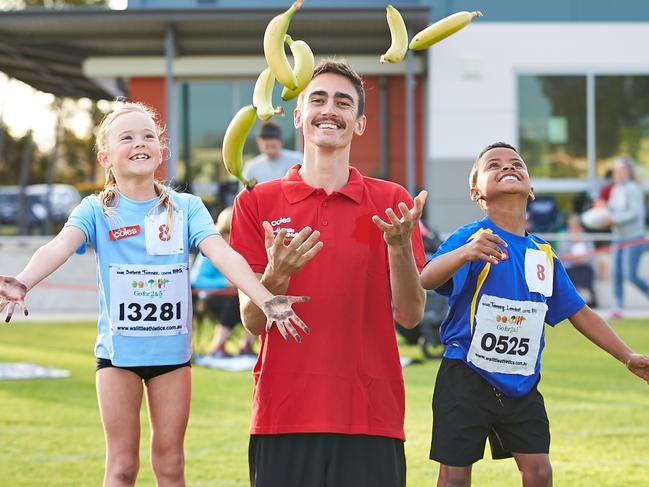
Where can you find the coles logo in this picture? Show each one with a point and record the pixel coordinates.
(280, 220)
(290, 232)
(124, 232)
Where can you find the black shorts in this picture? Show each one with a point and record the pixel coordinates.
(224, 308)
(467, 410)
(145, 373)
(326, 460)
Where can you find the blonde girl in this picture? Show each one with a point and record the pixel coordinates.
(142, 233)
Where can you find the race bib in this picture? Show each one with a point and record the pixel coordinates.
(538, 272)
(507, 335)
(149, 300)
(162, 238)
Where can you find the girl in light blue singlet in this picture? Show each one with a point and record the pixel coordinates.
(142, 233)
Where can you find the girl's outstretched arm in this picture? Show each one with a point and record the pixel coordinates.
(45, 260)
(235, 268)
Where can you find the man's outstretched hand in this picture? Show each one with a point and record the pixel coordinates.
(12, 294)
(397, 231)
(279, 311)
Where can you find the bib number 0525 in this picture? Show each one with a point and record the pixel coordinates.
(149, 312)
(505, 345)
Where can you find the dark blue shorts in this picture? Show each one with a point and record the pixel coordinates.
(145, 373)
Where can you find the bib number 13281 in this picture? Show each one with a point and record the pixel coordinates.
(149, 311)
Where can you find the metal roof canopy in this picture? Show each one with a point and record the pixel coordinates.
(45, 48)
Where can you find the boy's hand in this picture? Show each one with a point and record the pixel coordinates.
(639, 365)
(485, 247)
(12, 293)
(284, 259)
(398, 230)
(278, 310)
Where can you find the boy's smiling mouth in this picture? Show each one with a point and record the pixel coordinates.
(509, 177)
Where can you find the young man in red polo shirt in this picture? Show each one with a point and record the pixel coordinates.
(329, 411)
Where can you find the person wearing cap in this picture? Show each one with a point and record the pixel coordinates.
(274, 160)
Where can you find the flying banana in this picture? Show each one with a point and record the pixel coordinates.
(235, 138)
(262, 96)
(274, 47)
(442, 29)
(303, 69)
(399, 34)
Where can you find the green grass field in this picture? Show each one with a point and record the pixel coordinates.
(50, 433)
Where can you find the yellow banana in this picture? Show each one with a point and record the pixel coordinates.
(262, 96)
(234, 140)
(399, 34)
(274, 47)
(304, 63)
(442, 29)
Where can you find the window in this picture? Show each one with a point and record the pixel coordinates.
(204, 112)
(622, 121)
(557, 113)
(552, 125)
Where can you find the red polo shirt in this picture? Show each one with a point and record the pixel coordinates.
(345, 377)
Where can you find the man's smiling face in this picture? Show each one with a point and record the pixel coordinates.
(328, 112)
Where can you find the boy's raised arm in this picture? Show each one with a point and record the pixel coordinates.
(440, 270)
(593, 327)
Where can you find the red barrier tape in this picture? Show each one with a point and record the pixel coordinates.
(603, 250)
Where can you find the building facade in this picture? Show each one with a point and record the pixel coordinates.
(566, 81)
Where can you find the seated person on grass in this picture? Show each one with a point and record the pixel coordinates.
(212, 297)
(502, 284)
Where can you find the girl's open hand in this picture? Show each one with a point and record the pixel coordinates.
(278, 310)
(12, 293)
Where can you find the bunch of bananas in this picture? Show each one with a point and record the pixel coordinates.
(294, 79)
(423, 39)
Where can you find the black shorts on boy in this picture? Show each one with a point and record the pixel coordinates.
(467, 410)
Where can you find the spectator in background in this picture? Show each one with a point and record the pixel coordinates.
(274, 160)
(224, 307)
(576, 253)
(627, 207)
(543, 214)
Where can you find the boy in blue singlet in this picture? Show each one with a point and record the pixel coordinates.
(502, 285)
